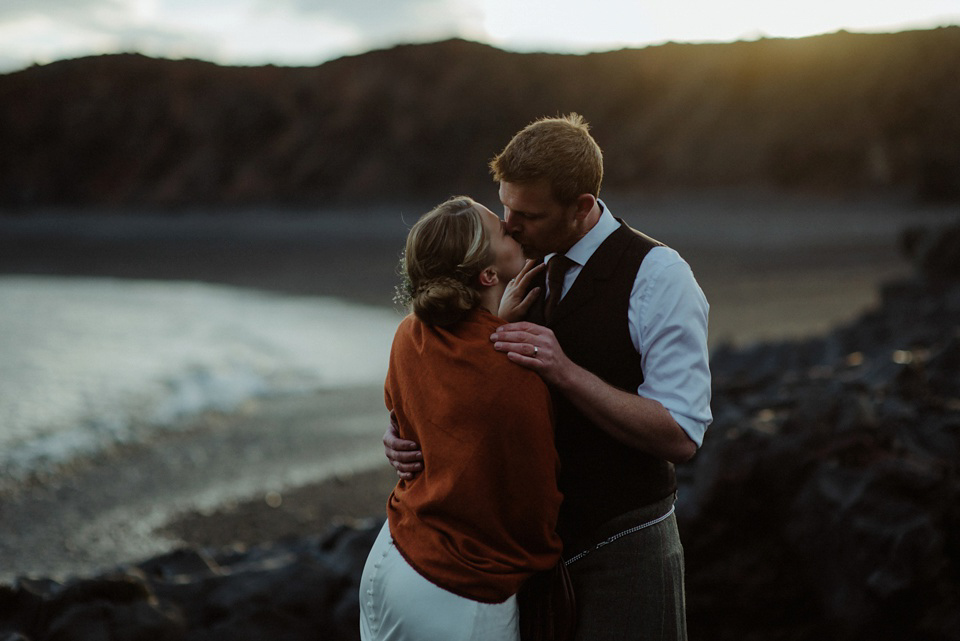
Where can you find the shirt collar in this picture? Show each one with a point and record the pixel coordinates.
(581, 252)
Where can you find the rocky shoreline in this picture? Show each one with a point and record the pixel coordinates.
(295, 589)
(825, 503)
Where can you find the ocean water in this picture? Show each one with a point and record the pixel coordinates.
(87, 363)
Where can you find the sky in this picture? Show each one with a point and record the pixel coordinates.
(309, 32)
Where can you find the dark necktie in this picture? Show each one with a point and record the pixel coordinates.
(556, 269)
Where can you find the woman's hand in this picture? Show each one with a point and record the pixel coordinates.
(516, 299)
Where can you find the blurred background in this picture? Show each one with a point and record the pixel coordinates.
(202, 205)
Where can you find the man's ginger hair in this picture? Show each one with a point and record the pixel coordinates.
(559, 150)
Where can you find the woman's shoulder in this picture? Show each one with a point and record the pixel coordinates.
(407, 326)
(479, 319)
(473, 321)
(465, 341)
(506, 373)
(476, 329)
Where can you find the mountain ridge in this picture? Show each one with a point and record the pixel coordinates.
(841, 113)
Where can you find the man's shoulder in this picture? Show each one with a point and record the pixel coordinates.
(639, 238)
(665, 256)
(645, 250)
(664, 263)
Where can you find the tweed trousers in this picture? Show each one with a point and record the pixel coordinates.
(632, 587)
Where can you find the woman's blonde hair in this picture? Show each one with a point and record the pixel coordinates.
(559, 150)
(446, 251)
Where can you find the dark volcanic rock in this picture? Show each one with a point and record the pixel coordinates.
(826, 498)
(295, 590)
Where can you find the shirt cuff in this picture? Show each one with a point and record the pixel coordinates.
(695, 429)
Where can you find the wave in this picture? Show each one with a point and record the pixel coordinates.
(88, 363)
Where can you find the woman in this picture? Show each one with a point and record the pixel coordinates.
(462, 537)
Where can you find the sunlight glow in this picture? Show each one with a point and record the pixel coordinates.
(608, 24)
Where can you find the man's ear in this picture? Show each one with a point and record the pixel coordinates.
(584, 204)
(488, 277)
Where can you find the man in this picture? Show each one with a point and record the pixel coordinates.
(621, 338)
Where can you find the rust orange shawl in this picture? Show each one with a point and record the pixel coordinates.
(480, 519)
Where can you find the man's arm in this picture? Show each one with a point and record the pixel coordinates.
(405, 456)
(636, 421)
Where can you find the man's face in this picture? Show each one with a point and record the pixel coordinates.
(536, 220)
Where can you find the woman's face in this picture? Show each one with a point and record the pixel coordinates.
(507, 253)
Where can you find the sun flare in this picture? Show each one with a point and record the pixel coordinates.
(607, 24)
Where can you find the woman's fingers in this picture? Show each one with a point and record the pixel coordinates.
(527, 301)
(530, 269)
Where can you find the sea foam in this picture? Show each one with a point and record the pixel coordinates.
(86, 363)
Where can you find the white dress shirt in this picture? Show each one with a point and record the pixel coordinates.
(668, 326)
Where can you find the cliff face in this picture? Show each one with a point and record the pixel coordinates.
(841, 113)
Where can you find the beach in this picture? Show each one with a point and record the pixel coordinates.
(293, 462)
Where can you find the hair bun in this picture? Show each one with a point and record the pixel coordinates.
(443, 301)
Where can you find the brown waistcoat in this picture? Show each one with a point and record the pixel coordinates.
(600, 477)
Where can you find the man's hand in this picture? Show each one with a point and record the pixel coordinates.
(516, 299)
(404, 456)
(534, 347)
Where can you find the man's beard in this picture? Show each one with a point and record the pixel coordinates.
(528, 251)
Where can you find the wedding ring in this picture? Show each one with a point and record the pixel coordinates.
(536, 350)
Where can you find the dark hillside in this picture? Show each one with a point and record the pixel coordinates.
(841, 113)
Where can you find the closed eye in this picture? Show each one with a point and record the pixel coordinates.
(527, 215)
